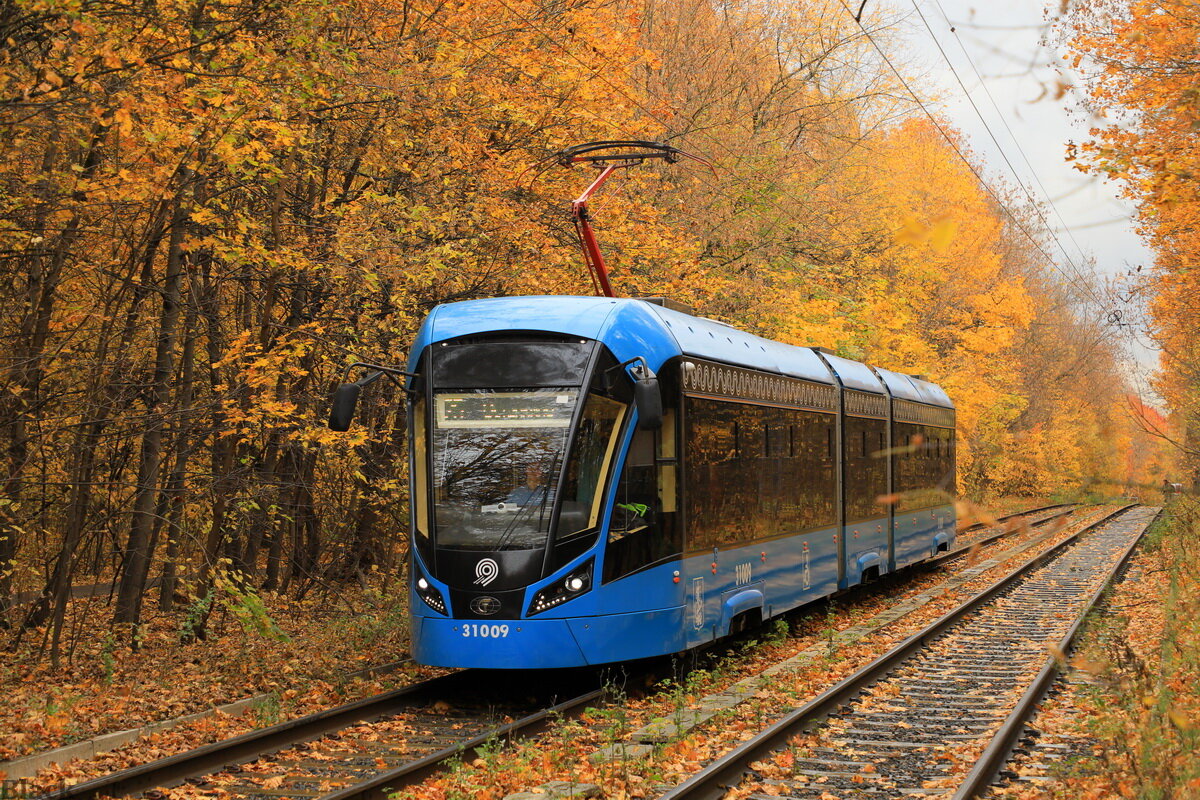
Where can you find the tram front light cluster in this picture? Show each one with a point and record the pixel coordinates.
(426, 591)
(578, 581)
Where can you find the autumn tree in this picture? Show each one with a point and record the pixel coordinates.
(208, 209)
(1139, 65)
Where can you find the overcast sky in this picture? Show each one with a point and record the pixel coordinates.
(1000, 52)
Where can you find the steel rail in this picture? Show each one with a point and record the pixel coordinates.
(1019, 513)
(998, 750)
(1015, 514)
(380, 786)
(725, 772)
(176, 769)
(965, 549)
(173, 770)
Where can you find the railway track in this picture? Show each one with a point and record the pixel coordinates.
(364, 749)
(982, 533)
(1025, 513)
(937, 715)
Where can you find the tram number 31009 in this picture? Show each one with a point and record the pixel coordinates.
(474, 631)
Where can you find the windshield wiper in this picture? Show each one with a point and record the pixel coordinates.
(511, 528)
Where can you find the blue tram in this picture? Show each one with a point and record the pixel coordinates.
(599, 479)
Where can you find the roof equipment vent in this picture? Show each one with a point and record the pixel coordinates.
(669, 304)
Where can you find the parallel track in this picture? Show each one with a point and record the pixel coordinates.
(359, 750)
(906, 723)
(1027, 512)
(987, 535)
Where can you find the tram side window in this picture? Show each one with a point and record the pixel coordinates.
(945, 461)
(866, 471)
(781, 484)
(778, 440)
(908, 478)
(924, 476)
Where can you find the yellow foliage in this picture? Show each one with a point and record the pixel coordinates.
(208, 209)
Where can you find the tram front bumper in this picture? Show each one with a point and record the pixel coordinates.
(500, 644)
(547, 643)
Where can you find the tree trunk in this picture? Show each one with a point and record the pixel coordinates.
(173, 495)
(24, 380)
(137, 549)
(221, 455)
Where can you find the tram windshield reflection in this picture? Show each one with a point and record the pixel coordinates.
(496, 459)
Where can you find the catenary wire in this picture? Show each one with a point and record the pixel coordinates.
(784, 213)
(1081, 280)
(1033, 201)
(962, 156)
(866, 33)
(599, 74)
(1124, 331)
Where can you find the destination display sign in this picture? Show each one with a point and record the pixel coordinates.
(536, 409)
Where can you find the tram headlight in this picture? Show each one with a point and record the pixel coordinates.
(575, 583)
(427, 592)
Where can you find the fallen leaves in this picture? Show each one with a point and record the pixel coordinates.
(1092, 666)
(165, 680)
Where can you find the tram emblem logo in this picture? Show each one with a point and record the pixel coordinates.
(485, 606)
(697, 603)
(486, 571)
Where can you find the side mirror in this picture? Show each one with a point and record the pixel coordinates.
(648, 400)
(344, 401)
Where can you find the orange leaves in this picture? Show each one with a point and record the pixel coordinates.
(1090, 666)
(1181, 720)
(1134, 55)
(886, 500)
(969, 513)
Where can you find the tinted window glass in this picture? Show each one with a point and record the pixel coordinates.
(866, 470)
(496, 460)
(590, 459)
(759, 489)
(643, 529)
(510, 364)
(924, 467)
(420, 470)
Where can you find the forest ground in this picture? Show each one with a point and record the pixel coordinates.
(298, 654)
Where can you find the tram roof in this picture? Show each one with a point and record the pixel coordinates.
(855, 374)
(932, 394)
(910, 387)
(708, 338)
(625, 325)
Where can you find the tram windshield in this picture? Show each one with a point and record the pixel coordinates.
(497, 458)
